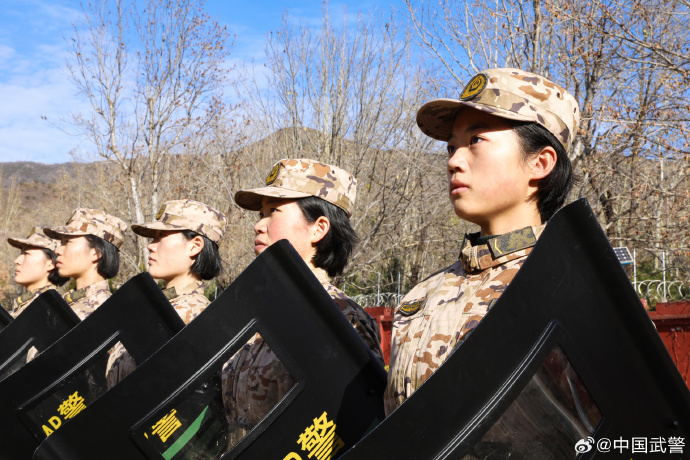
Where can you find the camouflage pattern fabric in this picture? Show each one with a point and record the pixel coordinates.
(186, 215)
(120, 365)
(85, 301)
(86, 221)
(439, 313)
(254, 379)
(36, 239)
(507, 93)
(301, 178)
(188, 301)
(23, 301)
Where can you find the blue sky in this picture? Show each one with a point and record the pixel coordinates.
(34, 81)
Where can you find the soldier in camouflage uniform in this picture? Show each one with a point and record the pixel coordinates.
(508, 172)
(183, 253)
(309, 204)
(88, 252)
(35, 267)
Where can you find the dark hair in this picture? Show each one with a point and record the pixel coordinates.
(334, 249)
(109, 263)
(54, 277)
(208, 263)
(553, 189)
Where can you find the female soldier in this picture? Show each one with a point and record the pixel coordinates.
(309, 204)
(183, 252)
(35, 267)
(508, 172)
(88, 252)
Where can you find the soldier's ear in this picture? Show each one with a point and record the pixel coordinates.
(542, 163)
(196, 244)
(95, 255)
(319, 229)
(50, 266)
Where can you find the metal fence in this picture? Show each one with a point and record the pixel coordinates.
(663, 291)
(388, 299)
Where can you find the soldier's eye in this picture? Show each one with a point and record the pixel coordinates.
(451, 150)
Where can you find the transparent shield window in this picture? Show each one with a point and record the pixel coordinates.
(18, 361)
(67, 398)
(207, 423)
(550, 415)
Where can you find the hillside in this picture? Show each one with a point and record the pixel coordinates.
(29, 172)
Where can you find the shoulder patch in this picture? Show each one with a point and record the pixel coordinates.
(474, 87)
(411, 307)
(273, 174)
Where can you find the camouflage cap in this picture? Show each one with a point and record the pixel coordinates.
(36, 239)
(186, 215)
(86, 221)
(507, 93)
(301, 178)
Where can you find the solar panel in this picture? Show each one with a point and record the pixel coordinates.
(623, 255)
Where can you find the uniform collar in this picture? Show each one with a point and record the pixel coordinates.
(88, 291)
(27, 296)
(497, 249)
(190, 288)
(321, 275)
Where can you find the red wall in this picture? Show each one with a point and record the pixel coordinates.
(384, 318)
(672, 321)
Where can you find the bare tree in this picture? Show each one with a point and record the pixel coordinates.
(626, 62)
(153, 73)
(347, 95)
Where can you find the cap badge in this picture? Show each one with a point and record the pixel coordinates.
(474, 87)
(273, 174)
(160, 212)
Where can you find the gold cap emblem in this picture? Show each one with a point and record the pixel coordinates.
(273, 174)
(474, 87)
(160, 212)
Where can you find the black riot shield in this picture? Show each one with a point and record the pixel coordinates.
(567, 364)
(59, 383)
(5, 318)
(168, 408)
(43, 322)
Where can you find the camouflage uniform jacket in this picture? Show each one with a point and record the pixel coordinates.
(23, 301)
(84, 301)
(188, 301)
(254, 380)
(438, 313)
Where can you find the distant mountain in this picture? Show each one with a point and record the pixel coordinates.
(28, 172)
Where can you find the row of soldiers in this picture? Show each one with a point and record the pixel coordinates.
(508, 171)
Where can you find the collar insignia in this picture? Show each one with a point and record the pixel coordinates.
(25, 298)
(73, 296)
(170, 293)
